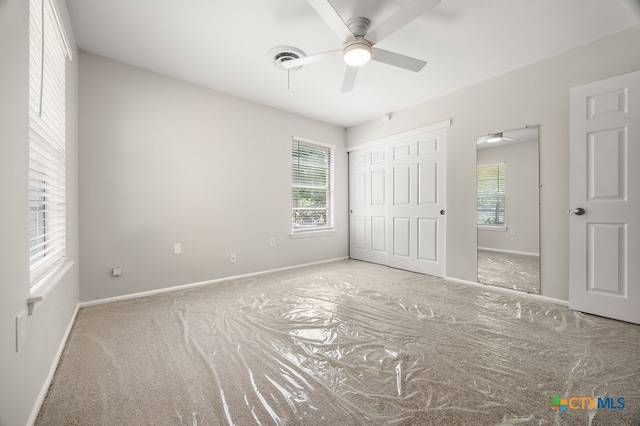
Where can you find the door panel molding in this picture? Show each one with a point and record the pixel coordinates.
(604, 229)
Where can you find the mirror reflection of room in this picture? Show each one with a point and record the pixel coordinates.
(508, 209)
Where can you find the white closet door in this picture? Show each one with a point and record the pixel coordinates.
(398, 202)
(368, 204)
(417, 203)
(604, 267)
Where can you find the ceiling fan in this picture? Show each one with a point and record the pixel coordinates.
(359, 44)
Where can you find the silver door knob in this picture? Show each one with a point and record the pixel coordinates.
(579, 211)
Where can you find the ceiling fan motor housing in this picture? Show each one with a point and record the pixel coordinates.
(358, 51)
(359, 26)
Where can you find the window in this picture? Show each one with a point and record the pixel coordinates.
(47, 60)
(490, 180)
(312, 193)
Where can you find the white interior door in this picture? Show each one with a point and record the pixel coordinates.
(417, 203)
(368, 204)
(605, 198)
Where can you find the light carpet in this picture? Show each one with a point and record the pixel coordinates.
(344, 343)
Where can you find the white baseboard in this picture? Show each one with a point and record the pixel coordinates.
(495, 250)
(198, 284)
(511, 291)
(52, 370)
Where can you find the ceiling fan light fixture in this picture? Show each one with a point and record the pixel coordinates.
(357, 53)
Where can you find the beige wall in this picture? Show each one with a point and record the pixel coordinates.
(23, 374)
(536, 94)
(163, 161)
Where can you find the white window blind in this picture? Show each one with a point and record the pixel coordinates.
(490, 180)
(312, 165)
(47, 205)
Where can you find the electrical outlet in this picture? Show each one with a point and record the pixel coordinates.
(512, 231)
(21, 330)
(272, 242)
(233, 258)
(117, 271)
(177, 248)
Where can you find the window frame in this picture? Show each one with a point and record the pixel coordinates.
(48, 54)
(497, 194)
(329, 207)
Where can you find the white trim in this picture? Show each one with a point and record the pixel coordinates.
(318, 233)
(47, 283)
(199, 284)
(492, 228)
(424, 129)
(52, 370)
(314, 142)
(512, 292)
(523, 253)
(492, 163)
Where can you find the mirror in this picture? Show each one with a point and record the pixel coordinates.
(508, 209)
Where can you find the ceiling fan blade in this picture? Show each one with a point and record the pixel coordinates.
(349, 79)
(398, 60)
(306, 60)
(400, 19)
(331, 17)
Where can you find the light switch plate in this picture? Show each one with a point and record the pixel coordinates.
(177, 248)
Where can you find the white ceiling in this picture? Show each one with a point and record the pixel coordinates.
(224, 45)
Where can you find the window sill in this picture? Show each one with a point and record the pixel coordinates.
(318, 233)
(492, 228)
(46, 284)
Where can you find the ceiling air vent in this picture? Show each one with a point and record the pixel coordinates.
(282, 54)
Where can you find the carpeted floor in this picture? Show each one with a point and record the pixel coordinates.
(344, 343)
(514, 271)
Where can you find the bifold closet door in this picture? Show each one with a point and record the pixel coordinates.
(398, 203)
(416, 211)
(368, 204)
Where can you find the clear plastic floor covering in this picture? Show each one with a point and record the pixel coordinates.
(343, 343)
(507, 270)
